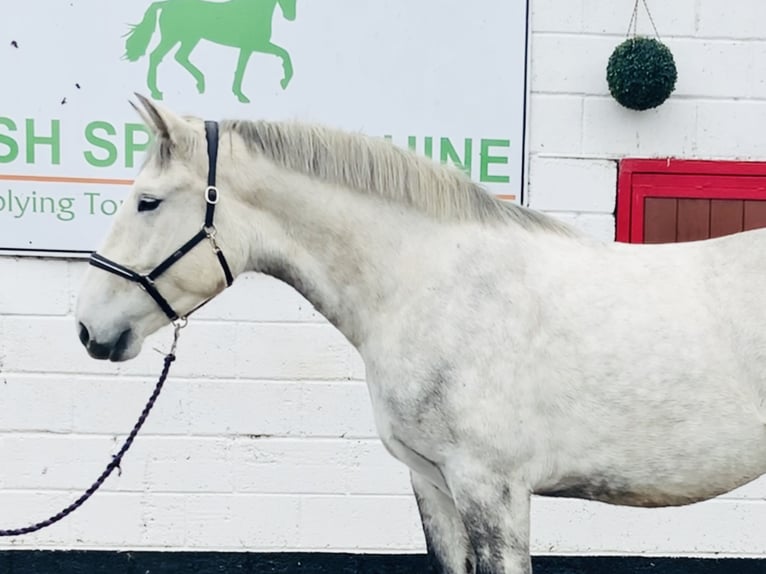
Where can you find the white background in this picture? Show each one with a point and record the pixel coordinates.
(263, 439)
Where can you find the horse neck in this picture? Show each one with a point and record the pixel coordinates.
(351, 254)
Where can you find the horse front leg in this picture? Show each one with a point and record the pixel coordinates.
(447, 543)
(239, 74)
(182, 57)
(287, 63)
(495, 513)
(155, 58)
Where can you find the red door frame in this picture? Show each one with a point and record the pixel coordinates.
(630, 198)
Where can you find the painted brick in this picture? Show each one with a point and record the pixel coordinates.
(227, 349)
(111, 405)
(718, 526)
(203, 522)
(755, 490)
(224, 407)
(349, 415)
(609, 130)
(568, 217)
(558, 124)
(96, 405)
(34, 404)
(573, 184)
(222, 522)
(703, 65)
(22, 508)
(736, 19)
(578, 63)
(317, 466)
(70, 462)
(730, 131)
(212, 465)
(325, 409)
(34, 286)
(358, 369)
(600, 226)
(260, 298)
(677, 18)
(360, 523)
(548, 16)
(262, 350)
(255, 522)
(292, 352)
(597, 225)
(45, 344)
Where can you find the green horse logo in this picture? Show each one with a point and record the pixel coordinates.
(243, 24)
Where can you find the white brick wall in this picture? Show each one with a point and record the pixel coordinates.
(263, 438)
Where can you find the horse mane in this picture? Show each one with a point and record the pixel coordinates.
(375, 165)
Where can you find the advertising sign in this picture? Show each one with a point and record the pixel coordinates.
(447, 79)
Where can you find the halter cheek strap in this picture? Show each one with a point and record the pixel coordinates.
(208, 231)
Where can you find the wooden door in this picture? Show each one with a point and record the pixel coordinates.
(666, 201)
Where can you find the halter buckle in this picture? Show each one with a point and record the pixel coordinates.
(211, 194)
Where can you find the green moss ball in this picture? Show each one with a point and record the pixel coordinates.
(641, 73)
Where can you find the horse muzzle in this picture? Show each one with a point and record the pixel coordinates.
(120, 348)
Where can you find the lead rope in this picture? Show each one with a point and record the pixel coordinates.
(116, 459)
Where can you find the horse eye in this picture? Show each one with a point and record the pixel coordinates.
(148, 203)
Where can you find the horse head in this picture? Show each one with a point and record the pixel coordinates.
(165, 253)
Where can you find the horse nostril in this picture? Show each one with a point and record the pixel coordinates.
(84, 335)
(121, 344)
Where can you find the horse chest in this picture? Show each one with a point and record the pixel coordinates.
(412, 438)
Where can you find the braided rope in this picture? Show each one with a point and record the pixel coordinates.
(113, 464)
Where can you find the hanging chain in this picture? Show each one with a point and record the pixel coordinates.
(116, 459)
(633, 24)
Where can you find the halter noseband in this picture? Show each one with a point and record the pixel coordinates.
(208, 231)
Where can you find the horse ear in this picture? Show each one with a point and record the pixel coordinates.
(164, 123)
(144, 116)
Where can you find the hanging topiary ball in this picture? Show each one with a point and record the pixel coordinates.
(641, 73)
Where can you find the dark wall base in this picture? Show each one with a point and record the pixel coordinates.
(88, 562)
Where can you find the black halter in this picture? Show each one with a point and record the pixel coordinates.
(208, 231)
